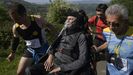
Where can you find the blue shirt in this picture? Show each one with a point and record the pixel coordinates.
(125, 51)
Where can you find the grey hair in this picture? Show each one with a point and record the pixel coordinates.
(117, 10)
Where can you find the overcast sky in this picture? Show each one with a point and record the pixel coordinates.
(46, 1)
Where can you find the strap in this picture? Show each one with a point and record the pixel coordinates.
(96, 20)
(102, 18)
(117, 48)
(32, 17)
(34, 21)
(17, 25)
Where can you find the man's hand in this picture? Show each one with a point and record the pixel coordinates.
(11, 57)
(94, 49)
(48, 63)
(55, 70)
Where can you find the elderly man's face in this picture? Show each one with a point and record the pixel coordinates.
(115, 23)
(70, 21)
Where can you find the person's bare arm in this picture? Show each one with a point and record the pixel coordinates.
(100, 48)
(48, 63)
(14, 44)
(15, 33)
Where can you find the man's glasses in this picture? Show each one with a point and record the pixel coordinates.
(113, 24)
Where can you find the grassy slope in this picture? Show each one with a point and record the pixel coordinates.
(8, 68)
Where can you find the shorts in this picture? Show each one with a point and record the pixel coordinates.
(40, 51)
(29, 54)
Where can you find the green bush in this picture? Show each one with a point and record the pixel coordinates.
(57, 11)
(56, 15)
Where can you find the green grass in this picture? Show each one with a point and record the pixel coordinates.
(8, 68)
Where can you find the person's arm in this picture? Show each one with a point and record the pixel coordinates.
(48, 63)
(14, 44)
(83, 56)
(15, 40)
(100, 48)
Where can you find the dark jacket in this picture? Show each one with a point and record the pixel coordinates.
(71, 54)
(72, 50)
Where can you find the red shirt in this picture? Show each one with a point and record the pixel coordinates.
(100, 25)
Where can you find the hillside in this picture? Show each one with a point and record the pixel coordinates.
(31, 7)
(43, 8)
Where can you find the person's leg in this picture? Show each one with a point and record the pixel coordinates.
(23, 64)
(100, 59)
(38, 69)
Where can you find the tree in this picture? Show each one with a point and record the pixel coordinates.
(57, 11)
(3, 13)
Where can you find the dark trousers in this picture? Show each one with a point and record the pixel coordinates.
(38, 69)
(100, 56)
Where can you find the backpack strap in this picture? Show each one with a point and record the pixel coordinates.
(32, 18)
(103, 20)
(96, 20)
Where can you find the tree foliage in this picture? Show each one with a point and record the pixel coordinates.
(5, 29)
(3, 13)
(57, 11)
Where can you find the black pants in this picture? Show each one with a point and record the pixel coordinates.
(38, 69)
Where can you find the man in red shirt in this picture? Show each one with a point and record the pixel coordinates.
(99, 21)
